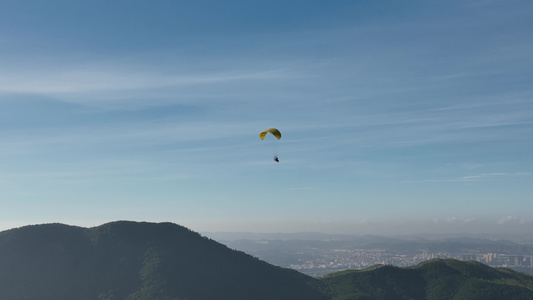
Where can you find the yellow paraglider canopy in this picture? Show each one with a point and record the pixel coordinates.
(273, 131)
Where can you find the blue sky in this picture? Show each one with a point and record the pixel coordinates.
(397, 116)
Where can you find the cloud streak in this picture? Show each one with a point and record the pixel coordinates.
(75, 82)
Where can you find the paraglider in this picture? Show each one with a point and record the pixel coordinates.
(275, 133)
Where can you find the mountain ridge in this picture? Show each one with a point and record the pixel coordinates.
(136, 260)
(433, 279)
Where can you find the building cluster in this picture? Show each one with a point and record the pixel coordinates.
(491, 259)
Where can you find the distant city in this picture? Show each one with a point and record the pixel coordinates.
(318, 256)
(342, 259)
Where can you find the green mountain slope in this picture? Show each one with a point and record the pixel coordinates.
(134, 261)
(437, 279)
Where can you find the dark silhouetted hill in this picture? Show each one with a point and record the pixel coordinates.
(136, 261)
(436, 279)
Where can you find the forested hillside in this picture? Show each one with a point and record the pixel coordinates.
(129, 260)
(436, 279)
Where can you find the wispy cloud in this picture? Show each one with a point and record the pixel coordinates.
(475, 178)
(74, 81)
(508, 219)
(128, 135)
(491, 176)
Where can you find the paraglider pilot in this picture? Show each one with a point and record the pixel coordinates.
(275, 133)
